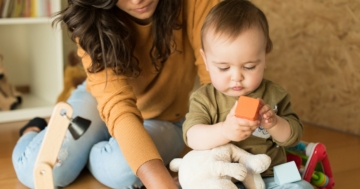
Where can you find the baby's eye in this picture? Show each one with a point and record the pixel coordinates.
(223, 69)
(249, 68)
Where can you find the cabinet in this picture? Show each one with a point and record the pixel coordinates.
(33, 56)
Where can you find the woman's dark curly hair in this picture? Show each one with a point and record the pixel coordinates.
(103, 33)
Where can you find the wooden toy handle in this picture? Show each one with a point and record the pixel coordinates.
(50, 146)
(43, 176)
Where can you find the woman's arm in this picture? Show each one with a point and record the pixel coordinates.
(117, 107)
(196, 12)
(154, 174)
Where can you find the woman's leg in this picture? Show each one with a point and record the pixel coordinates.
(73, 154)
(109, 166)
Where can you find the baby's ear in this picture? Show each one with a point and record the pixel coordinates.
(204, 58)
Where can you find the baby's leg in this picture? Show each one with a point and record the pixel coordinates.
(302, 184)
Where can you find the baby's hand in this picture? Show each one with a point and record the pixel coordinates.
(238, 129)
(268, 116)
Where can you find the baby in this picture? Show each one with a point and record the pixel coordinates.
(235, 42)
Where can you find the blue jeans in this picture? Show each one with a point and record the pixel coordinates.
(96, 149)
(270, 184)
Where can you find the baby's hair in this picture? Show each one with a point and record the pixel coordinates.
(231, 17)
(104, 33)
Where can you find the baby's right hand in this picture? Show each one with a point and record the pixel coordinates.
(238, 129)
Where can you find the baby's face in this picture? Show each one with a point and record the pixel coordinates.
(236, 66)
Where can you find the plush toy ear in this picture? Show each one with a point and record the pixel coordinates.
(175, 164)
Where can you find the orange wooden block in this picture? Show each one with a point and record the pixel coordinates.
(247, 108)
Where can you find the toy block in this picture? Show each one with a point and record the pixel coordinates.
(247, 108)
(286, 173)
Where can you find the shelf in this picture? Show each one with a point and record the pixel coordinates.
(32, 106)
(16, 21)
(33, 56)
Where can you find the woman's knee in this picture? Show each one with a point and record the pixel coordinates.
(26, 177)
(71, 158)
(108, 165)
(24, 156)
(83, 103)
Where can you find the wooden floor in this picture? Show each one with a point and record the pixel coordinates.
(343, 151)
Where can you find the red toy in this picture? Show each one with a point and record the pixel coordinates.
(247, 108)
(317, 153)
(317, 168)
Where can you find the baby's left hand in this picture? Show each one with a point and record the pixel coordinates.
(268, 116)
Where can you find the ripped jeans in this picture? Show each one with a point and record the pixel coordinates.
(96, 149)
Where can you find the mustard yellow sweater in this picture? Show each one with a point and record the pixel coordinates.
(124, 102)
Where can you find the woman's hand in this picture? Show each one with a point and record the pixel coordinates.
(154, 175)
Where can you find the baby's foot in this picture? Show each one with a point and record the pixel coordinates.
(258, 163)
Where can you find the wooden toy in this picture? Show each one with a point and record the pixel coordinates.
(247, 108)
(286, 173)
(59, 123)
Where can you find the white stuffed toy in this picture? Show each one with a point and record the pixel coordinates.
(214, 169)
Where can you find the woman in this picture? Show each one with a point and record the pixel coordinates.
(141, 59)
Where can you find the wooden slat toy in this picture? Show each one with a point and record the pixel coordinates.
(247, 108)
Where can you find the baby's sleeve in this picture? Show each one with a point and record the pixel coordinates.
(199, 112)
